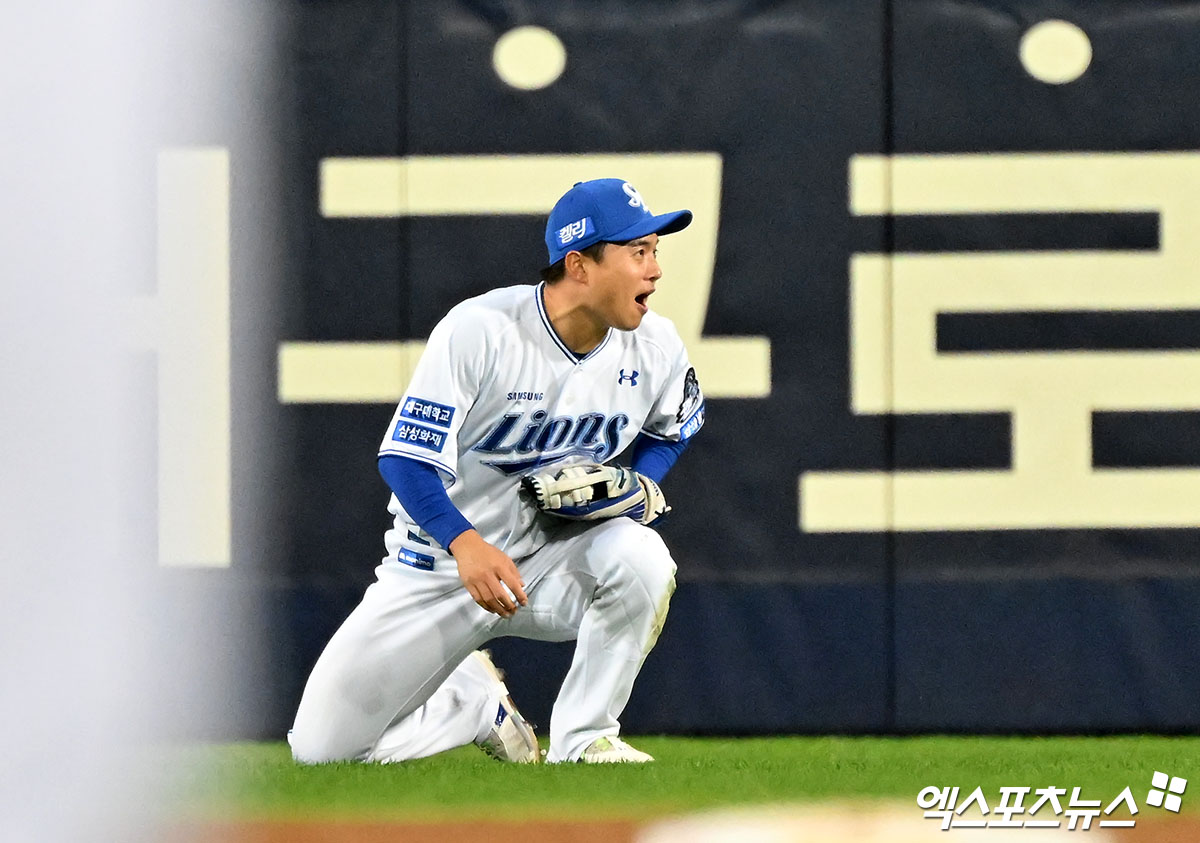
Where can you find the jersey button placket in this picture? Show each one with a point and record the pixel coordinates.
(572, 391)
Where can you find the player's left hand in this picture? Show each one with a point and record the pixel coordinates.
(591, 492)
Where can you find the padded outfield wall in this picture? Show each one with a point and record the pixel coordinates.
(946, 314)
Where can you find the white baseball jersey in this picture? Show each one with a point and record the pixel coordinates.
(498, 395)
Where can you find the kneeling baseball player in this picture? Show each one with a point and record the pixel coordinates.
(510, 518)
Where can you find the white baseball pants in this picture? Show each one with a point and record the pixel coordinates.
(394, 683)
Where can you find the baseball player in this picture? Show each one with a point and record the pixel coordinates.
(511, 517)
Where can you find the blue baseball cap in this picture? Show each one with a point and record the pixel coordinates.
(604, 209)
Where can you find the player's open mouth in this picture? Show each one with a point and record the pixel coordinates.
(641, 300)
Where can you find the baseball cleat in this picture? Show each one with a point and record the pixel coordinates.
(613, 751)
(510, 738)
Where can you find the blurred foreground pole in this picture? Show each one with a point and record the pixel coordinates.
(91, 94)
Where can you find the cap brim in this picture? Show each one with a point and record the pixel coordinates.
(660, 224)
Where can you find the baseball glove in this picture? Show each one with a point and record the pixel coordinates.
(591, 492)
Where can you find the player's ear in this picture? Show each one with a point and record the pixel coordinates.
(575, 266)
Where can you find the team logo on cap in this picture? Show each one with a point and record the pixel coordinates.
(575, 231)
(635, 198)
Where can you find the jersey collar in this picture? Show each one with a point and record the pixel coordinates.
(540, 295)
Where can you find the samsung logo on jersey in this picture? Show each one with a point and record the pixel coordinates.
(526, 396)
(549, 440)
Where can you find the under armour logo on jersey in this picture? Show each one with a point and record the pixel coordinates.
(631, 378)
(635, 198)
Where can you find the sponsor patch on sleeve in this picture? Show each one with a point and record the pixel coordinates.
(419, 435)
(429, 411)
(693, 424)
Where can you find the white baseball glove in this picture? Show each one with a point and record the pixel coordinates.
(591, 492)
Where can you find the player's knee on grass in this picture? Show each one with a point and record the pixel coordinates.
(311, 747)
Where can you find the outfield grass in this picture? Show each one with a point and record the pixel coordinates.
(259, 780)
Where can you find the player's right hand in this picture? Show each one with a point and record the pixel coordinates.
(489, 575)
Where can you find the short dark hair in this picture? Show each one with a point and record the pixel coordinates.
(556, 271)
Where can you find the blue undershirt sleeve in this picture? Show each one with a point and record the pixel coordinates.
(419, 489)
(654, 457)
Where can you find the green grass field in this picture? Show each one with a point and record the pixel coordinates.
(259, 780)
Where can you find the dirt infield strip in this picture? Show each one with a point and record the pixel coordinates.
(1184, 830)
(533, 831)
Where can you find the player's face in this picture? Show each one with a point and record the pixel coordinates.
(623, 281)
